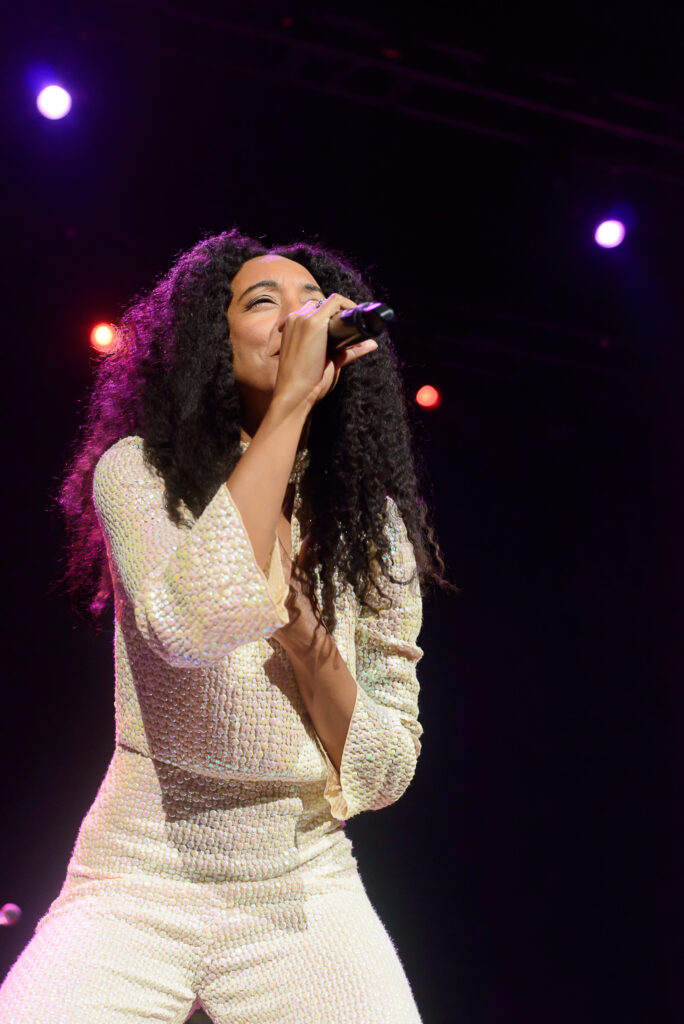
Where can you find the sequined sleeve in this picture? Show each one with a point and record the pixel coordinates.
(197, 590)
(383, 742)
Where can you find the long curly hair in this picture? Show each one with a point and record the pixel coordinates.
(169, 379)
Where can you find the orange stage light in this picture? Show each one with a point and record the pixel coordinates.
(428, 397)
(103, 337)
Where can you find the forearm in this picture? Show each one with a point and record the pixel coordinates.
(258, 483)
(328, 690)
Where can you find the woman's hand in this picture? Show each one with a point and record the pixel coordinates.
(305, 372)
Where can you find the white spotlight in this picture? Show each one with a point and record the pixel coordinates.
(54, 102)
(610, 233)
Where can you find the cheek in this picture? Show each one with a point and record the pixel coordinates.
(250, 351)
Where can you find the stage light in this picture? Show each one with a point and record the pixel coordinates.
(609, 233)
(428, 397)
(103, 338)
(10, 914)
(53, 102)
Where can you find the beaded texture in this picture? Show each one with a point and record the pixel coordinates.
(213, 867)
(199, 684)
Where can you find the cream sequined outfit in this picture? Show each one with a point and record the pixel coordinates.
(213, 867)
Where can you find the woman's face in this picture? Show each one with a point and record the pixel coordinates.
(266, 290)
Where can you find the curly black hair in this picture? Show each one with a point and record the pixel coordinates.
(169, 379)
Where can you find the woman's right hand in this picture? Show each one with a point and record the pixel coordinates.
(305, 372)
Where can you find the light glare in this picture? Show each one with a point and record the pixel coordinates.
(428, 397)
(610, 233)
(53, 102)
(102, 337)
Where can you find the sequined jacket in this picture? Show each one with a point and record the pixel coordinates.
(200, 681)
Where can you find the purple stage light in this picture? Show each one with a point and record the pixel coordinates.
(610, 233)
(10, 914)
(54, 102)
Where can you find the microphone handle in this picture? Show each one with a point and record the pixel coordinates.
(366, 320)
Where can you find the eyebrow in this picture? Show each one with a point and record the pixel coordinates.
(274, 284)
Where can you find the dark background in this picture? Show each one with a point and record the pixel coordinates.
(532, 871)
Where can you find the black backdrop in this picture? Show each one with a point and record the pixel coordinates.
(531, 872)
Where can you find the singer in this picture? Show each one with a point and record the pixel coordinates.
(251, 505)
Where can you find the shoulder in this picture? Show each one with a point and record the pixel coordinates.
(119, 464)
(394, 518)
(396, 527)
(402, 554)
(122, 449)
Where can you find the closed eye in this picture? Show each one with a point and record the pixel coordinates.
(255, 302)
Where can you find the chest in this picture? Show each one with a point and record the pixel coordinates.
(284, 533)
(286, 530)
(289, 539)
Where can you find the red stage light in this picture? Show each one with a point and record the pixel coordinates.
(103, 337)
(428, 397)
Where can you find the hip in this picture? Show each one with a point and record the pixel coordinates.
(150, 818)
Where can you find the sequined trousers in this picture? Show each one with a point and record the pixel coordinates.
(242, 897)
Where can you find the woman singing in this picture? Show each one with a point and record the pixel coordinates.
(251, 505)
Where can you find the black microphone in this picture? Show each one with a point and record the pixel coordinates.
(366, 320)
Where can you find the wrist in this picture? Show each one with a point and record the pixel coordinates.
(283, 409)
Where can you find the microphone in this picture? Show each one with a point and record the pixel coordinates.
(366, 320)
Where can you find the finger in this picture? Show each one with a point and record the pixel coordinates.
(309, 307)
(353, 352)
(322, 309)
(333, 304)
